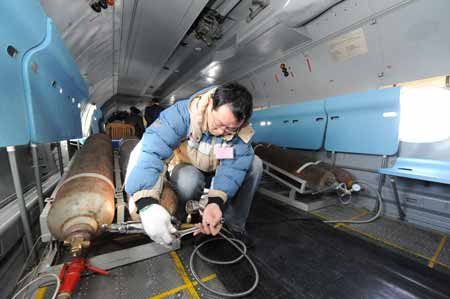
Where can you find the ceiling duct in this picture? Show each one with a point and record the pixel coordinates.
(296, 14)
(209, 27)
(256, 8)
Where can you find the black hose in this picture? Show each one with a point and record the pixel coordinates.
(243, 252)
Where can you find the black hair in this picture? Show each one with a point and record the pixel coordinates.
(134, 110)
(238, 97)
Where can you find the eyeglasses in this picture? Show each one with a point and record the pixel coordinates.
(219, 125)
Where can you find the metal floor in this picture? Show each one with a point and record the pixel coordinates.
(425, 246)
(296, 258)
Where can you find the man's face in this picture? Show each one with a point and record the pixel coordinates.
(221, 120)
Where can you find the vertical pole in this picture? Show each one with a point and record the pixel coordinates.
(381, 178)
(19, 193)
(333, 159)
(71, 149)
(401, 214)
(37, 176)
(60, 158)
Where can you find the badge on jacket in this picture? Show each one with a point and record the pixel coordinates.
(223, 153)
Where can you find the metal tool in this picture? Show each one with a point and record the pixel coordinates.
(124, 228)
(137, 228)
(181, 233)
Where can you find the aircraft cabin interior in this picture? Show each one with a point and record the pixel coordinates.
(224, 149)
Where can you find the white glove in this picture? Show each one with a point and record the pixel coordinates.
(157, 225)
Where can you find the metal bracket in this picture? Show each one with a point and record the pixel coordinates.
(260, 5)
(293, 190)
(126, 256)
(120, 203)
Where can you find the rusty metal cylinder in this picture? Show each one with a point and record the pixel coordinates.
(126, 145)
(168, 198)
(85, 199)
(317, 174)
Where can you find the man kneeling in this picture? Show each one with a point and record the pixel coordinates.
(208, 137)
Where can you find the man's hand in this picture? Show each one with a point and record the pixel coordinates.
(211, 223)
(156, 222)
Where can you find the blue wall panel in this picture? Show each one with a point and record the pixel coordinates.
(23, 27)
(297, 126)
(53, 90)
(365, 123)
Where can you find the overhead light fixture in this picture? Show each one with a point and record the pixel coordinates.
(198, 49)
(212, 69)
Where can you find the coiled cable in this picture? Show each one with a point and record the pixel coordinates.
(243, 252)
(49, 275)
(371, 219)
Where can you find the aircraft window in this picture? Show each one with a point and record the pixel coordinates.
(424, 114)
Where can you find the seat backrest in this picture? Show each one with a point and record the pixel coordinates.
(120, 130)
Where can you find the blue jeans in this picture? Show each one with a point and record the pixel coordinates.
(189, 182)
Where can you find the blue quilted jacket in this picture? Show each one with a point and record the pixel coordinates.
(177, 125)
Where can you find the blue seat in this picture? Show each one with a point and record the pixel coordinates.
(19, 33)
(364, 123)
(420, 169)
(55, 91)
(299, 125)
